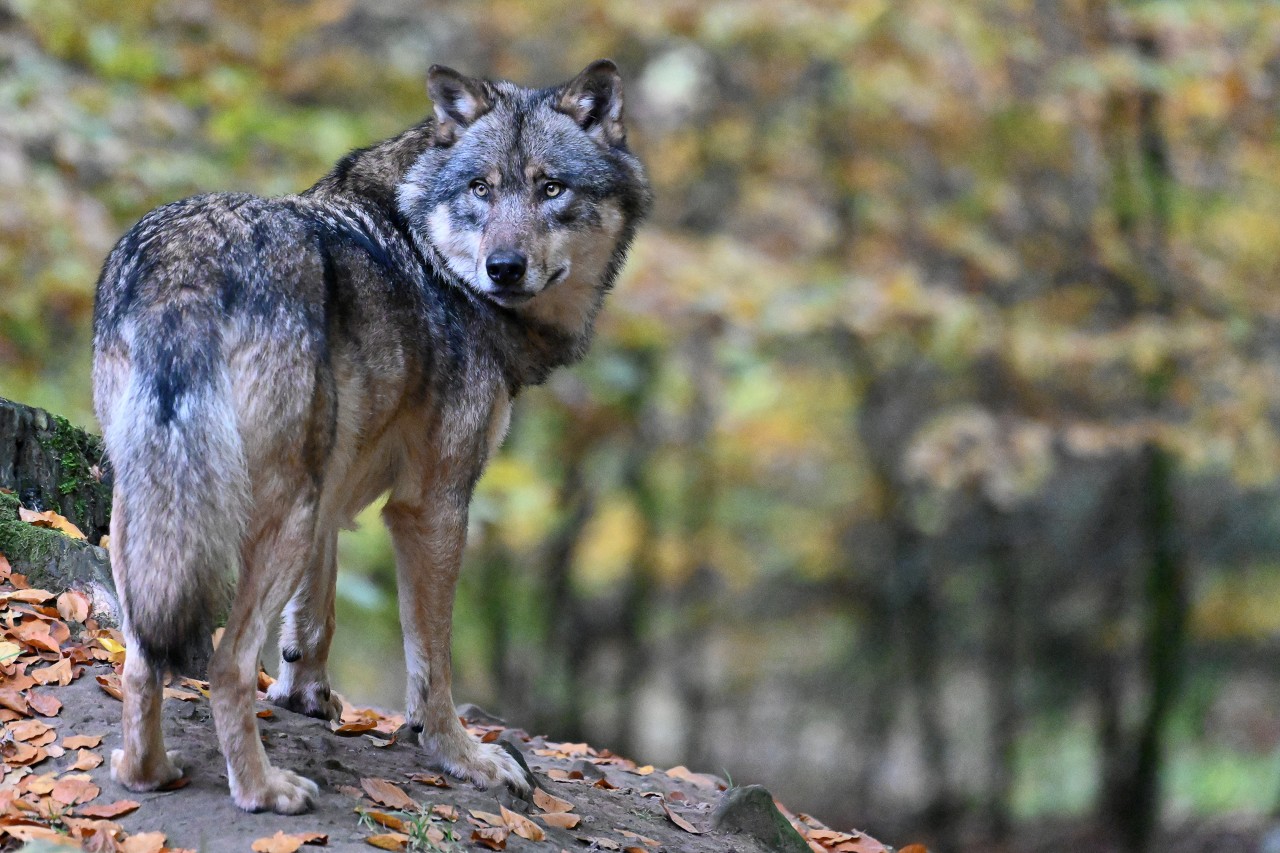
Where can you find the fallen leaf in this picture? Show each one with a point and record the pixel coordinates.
(86, 760)
(356, 728)
(9, 651)
(383, 819)
(913, 848)
(701, 780)
(282, 843)
(29, 596)
(181, 695)
(43, 703)
(74, 789)
(521, 825)
(143, 842)
(563, 820)
(641, 771)
(82, 741)
(111, 645)
(58, 673)
(679, 821)
(111, 685)
(266, 714)
(648, 842)
(119, 808)
(430, 779)
(28, 730)
(493, 837)
(387, 793)
(550, 803)
(50, 519)
(389, 840)
(13, 700)
(73, 606)
(41, 833)
(445, 811)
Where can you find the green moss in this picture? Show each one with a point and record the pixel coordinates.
(70, 447)
(19, 541)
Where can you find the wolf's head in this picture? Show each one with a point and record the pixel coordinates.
(529, 196)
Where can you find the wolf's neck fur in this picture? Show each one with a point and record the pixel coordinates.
(526, 347)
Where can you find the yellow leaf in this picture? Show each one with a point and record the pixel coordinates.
(389, 840)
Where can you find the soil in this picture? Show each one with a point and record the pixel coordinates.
(201, 815)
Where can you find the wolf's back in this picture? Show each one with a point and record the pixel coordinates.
(163, 395)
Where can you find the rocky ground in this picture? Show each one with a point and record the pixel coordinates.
(59, 704)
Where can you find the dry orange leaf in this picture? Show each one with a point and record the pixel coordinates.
(550, 803)
(914, 848)
(430, 779)
(445, 811)
(119, 808)
(387, 793)
(389, 840)
(70, 790)
(701, 780)
(648, 842)
(111, 685)
(493, 837)
(356, 728)
(29, 596)
(564, 820)
(487, 817)
(82, 741)
(143, 842)
(680, 821)
(282, 843)
(58, 673)
(86, 760)
(73, 606)
(51, 519)
(521, 825)
(44, 704)
(13, 700)
(384, 819)
(266, 714)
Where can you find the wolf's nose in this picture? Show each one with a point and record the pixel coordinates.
(505, 268)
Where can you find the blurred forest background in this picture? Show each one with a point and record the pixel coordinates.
(927, 464)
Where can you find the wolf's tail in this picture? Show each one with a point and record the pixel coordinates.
(181, 487)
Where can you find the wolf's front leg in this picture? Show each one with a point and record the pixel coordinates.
(428, 543)
(306, 632)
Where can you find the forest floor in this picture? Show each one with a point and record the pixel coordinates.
(59, 689)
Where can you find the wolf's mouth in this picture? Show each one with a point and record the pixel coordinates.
(557, 276)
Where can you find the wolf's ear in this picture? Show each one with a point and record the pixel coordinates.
(594, 100)
(458, 100)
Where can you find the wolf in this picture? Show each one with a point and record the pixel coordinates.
(266, 368)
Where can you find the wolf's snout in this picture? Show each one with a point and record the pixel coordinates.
(505, 268)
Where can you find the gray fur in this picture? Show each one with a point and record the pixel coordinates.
(265, 368)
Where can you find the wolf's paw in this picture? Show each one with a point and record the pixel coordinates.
(282, 792)
(146, 776)
(484, 765)
(314, 700)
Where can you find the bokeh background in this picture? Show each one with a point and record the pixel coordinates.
(925, 467)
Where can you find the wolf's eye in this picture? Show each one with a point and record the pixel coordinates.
(552, 189)
(479, 188)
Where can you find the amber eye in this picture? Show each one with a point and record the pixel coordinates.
(553, 189)
(479, 188)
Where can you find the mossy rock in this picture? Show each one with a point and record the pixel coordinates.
(51, 464)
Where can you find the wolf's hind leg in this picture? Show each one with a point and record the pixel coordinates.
(272, 567)
(305, 634)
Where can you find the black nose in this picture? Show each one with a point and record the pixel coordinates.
(505, 267)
